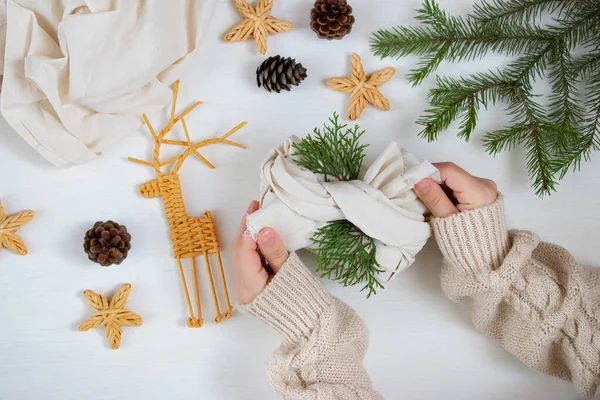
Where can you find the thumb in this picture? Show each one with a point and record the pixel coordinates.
(272, 248)
(435, 199)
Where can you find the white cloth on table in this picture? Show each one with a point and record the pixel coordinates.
(381, 203)
(78, 74)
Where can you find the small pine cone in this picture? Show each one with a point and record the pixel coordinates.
(107, 243)
(278, 73)
(331, 19)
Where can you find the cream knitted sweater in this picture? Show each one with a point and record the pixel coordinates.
(529, 296)
(324, 340)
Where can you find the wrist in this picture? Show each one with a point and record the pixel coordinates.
(474, 240)
(292, 301)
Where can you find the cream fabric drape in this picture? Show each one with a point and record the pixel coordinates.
(296, 203)
(78, 74)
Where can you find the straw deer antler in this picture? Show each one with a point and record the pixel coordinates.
(190, 236)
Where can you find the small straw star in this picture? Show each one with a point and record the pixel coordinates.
(257, 23)
(8, 230)
(363, 89)
(111, 315)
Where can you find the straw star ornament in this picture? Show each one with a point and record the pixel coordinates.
(111, 315)
(257, 23)
(8, 230)
(363, 89)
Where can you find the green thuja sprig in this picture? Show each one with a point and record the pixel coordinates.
(347, 255)
(344, 252)
(334, 152)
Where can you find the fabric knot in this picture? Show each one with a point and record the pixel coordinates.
(381, 203)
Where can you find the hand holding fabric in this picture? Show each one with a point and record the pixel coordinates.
(470, 192)
(251, 276)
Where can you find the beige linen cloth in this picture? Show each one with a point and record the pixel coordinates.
(78, 74)
(296, 203)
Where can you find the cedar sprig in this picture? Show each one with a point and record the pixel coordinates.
(344, 252)
(347, 255)
(555, 40)
(334, 152)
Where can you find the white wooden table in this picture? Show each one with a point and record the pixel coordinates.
(421, 347)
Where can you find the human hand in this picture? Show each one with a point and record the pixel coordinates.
(469, 191)
(251, 276)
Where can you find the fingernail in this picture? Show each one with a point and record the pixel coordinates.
(267, 238)
(250, 206)
(423, 186)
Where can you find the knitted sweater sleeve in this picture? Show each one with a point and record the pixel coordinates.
(323, 339)
(529, 296)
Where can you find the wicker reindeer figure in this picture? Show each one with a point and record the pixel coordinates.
(190, 236)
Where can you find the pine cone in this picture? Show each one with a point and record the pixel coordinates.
(278, 73)
(331, 19)
(107, 243)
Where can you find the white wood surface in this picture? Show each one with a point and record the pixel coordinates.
(421, 345)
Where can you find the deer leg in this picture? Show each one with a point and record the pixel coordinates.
(229, 310)
(198, 305)
(219, 317)
(191, 322)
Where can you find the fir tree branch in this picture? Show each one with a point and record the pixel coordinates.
(453, 97)
(580, 150)
(515, 11)
(592, 137)
(578, 28)
(526, 112)
(563, 108)
(469, 119)
(544, 35)
(334, 152)
(428, 64)
(504, 139)
(539, 163)
(592, 126)
(347, 255)
(453, 38)
(562, 138)
(528, 67)
(586, 64)
(401, 41)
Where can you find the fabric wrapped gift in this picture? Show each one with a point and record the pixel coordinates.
(296, 203)
(78, 74)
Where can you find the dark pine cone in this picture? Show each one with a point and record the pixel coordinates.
(107, 243)
(278, 73)
(331, 19)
